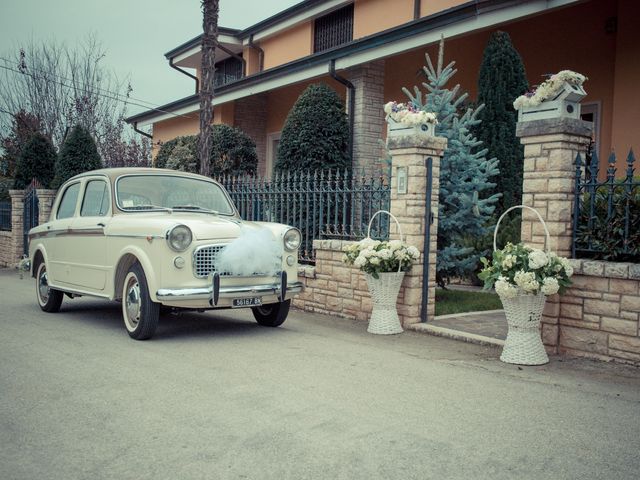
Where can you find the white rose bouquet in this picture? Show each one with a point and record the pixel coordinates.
(375, 256)
(520, 269)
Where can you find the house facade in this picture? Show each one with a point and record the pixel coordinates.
(367, 50)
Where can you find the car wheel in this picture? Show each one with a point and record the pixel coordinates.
(271, 314)
(139, 312)
(48, 298)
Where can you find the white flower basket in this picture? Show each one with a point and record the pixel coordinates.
(384, 294)
(523, 345)
(399, 129)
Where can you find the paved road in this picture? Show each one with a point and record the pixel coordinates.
(214, 396)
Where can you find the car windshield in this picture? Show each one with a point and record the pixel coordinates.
(164, 192)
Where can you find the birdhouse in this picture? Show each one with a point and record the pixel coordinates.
(565, 103)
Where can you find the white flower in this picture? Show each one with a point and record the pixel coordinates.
(537, 259)
(550, 286)
(367, 252)
(413, 252)
(395, 245)
(526, 281)
(508, 261)
(385, 254)
(374, 261)
(504, 289)
(566, 264)
(360, 261)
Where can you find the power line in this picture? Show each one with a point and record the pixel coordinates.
(109, 94)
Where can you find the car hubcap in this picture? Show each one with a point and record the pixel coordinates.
(43, 286)
(132, 303)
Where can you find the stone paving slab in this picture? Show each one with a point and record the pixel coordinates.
(492, 323)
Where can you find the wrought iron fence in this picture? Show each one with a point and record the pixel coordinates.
(606, 223)
(5, 216)
(321, 204)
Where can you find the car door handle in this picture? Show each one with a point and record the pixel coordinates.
(101, 224)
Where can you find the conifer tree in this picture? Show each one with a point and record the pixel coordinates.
(36, 160)
(78, 154)
(501, 80)
(316, 133)
(466, 202)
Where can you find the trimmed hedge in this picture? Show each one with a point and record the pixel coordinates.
(37, 160)
(316, 133)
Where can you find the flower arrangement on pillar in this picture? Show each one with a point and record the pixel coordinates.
(406, 119)
(523, 277)
(558, 96)
(384, 264)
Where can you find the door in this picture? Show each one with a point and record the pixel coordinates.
(87, 240)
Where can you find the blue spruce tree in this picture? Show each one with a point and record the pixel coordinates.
(466, 205)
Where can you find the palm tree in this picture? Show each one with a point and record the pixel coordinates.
(209, 42)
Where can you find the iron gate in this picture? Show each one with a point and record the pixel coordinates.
(428, 221)
(31, 212)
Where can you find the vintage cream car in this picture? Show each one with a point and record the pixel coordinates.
(152, 238)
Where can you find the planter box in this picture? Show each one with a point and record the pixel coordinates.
(564, 104)
(397, 129)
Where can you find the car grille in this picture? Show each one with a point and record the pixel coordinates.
(204, 260)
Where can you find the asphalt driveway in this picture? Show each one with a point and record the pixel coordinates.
(215, 396)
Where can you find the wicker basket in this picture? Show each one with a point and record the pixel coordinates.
(523, 345)
(384, 294)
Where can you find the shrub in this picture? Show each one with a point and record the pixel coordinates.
(604, 239)
(78, 154)
(36, 160)
(316, 133)
(167, 147)
(232, 152)
(501, 80)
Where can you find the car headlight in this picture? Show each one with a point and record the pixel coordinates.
(292, 239)
(179, 238)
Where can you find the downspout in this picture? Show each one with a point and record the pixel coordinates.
(352, 103)
(171, 64)
(260, 53)
(416, 9)
(145, 134)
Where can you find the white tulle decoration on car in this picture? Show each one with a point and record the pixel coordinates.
(255, 251)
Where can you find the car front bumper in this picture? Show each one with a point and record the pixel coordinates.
(239, 291)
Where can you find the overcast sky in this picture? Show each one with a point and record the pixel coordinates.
(135, 34)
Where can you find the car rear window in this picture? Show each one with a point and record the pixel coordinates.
(68, 203)
(96, 199)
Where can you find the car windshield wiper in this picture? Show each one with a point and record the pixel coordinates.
(148, 206)
(196, 208)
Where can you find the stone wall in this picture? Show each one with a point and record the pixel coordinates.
(331, 287)
(6, 247)
(598, 316)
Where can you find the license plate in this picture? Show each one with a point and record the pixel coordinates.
(247, 302)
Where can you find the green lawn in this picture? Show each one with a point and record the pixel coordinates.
(460, 301)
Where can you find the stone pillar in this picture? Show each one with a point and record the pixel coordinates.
(550, 149)
(250, 116)
(369, 124)
(45, 203)
(17, 226)
(411, 153)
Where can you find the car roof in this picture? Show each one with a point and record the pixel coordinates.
(114, 173)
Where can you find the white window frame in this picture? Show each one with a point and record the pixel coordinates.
(594, 108)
